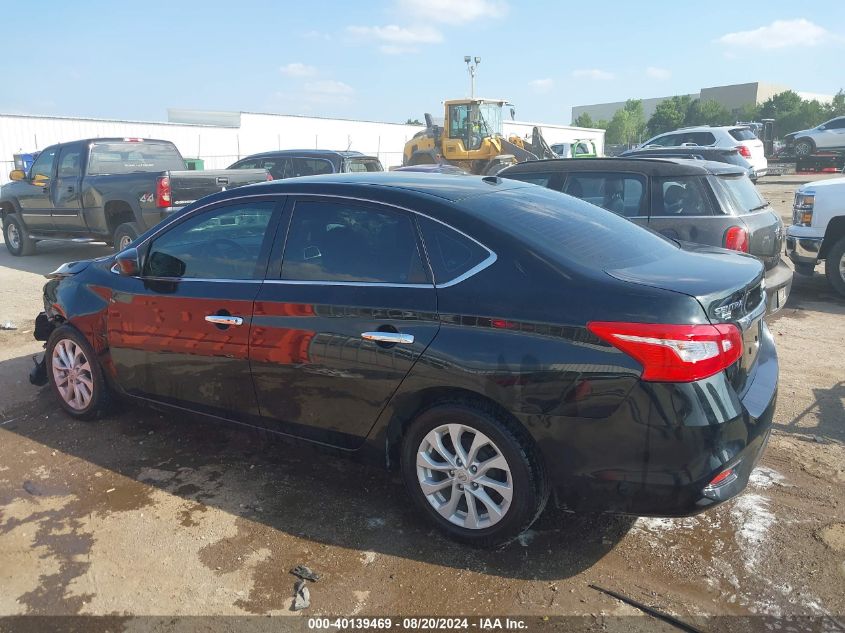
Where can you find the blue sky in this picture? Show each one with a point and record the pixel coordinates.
(393, 59)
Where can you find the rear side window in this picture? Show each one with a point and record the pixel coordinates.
(681, 196)
(743, 134)
(623, 194)
(534, 179)
(345, 242)
(131, 157)
(363, 165)
(743, 192)
(310, 167)
(695, 138)
(835, 124)
(450, 253)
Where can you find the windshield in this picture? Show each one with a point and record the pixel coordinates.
(131, 157)
(744, 193)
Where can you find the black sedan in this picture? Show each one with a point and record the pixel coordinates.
(492, 339)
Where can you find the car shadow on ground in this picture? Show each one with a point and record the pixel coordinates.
(298, 490)
(50, 254)
(828, 406)
(812, 294)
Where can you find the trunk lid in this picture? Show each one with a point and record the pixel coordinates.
(189, 186)
(729, 286)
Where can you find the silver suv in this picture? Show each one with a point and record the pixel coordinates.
(739, 137)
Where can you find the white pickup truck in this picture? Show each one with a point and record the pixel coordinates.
(818, 230)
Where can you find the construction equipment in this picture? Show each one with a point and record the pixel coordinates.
(471, 138)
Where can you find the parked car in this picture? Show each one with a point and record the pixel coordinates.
(106, 189)
(716, 154)
(575, 149)
(818, 230)
(490, 339)
(291, 163)
(689, 200)
(737, 137)
(830, 135)
(439, 168)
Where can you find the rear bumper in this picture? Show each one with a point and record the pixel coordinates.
(657, 455)
(778, 286)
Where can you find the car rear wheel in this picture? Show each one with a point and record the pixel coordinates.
(75, 374)
(834, 265)
(124, 235)
(475, 476)
(17, 240)
(804, 147)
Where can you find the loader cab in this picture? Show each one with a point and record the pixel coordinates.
(471, 121)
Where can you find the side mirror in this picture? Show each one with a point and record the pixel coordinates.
(17, 174)
(126, 263)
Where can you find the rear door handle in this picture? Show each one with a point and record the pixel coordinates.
(388, 337)
(220, 319)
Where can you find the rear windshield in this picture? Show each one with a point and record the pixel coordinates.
(744, 193)
(133, 157)
(569, 230)
(743, 134)
(363, 164)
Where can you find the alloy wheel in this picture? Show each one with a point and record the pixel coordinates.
(125, 241)
(72, 374)
(464, 476)
(842, 266)
(14, 236)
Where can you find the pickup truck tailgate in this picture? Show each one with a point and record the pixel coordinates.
(188, 186)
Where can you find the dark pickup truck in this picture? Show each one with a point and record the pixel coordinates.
(104, 190)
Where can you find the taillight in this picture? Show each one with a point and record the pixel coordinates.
(736, 239)
(269, 176)
(744, 151)
(674, 353)
(163, 192)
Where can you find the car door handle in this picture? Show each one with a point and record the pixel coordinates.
(221, 319)
(388, 337)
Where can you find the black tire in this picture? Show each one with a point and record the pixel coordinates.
(16, 236)
(528, 479)
(100, 397)
(834, 266)
(124, 234)
(804, 147)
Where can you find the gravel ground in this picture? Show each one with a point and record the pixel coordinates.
(150, 513)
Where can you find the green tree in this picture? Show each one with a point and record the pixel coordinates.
(668, 115)
(707, 113)
(627, 125)
(748, 112)
(413, 122)
(780, 105)
(837, 106)
(584, 120)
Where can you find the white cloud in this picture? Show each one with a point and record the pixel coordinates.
(541, 86)
(780, 34)
(298, 69)
(452, 11)
(592, 73)
(658, 73)
(397, 35)
(328, 87)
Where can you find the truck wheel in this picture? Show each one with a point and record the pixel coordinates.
(15, 234)
(834, 265)
(805, 147)
(124, 235)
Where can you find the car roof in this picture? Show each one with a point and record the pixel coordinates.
(705, 128)
(665, 166)
(374, 185)
(309, 153)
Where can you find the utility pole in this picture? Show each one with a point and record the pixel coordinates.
(471, 68)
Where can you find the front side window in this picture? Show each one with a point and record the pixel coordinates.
(42, 168)
(681, 196)
(70, 162)
(667, 140)
(835, 124)
(310, 167)
(346, 242)
(223, 243)
(623, 194)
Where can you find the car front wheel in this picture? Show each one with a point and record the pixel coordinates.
(75, 374)
(477, 477)
(16, 237)
(834, 266)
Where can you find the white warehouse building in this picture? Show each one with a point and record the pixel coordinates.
(221, 138)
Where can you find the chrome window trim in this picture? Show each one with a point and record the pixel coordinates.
(489, 261)
(364, 284)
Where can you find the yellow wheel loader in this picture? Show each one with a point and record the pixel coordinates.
(471, 138)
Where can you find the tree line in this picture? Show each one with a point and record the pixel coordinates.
(790, 112)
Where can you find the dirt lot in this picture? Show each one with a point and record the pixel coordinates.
(150, 513)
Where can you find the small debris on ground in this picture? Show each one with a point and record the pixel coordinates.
(301, 596)
(305, 573)
(8, 325)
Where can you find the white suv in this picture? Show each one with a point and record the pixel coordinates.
(738, 137)
(829, 135)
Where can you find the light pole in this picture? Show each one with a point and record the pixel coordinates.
(471, 67)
